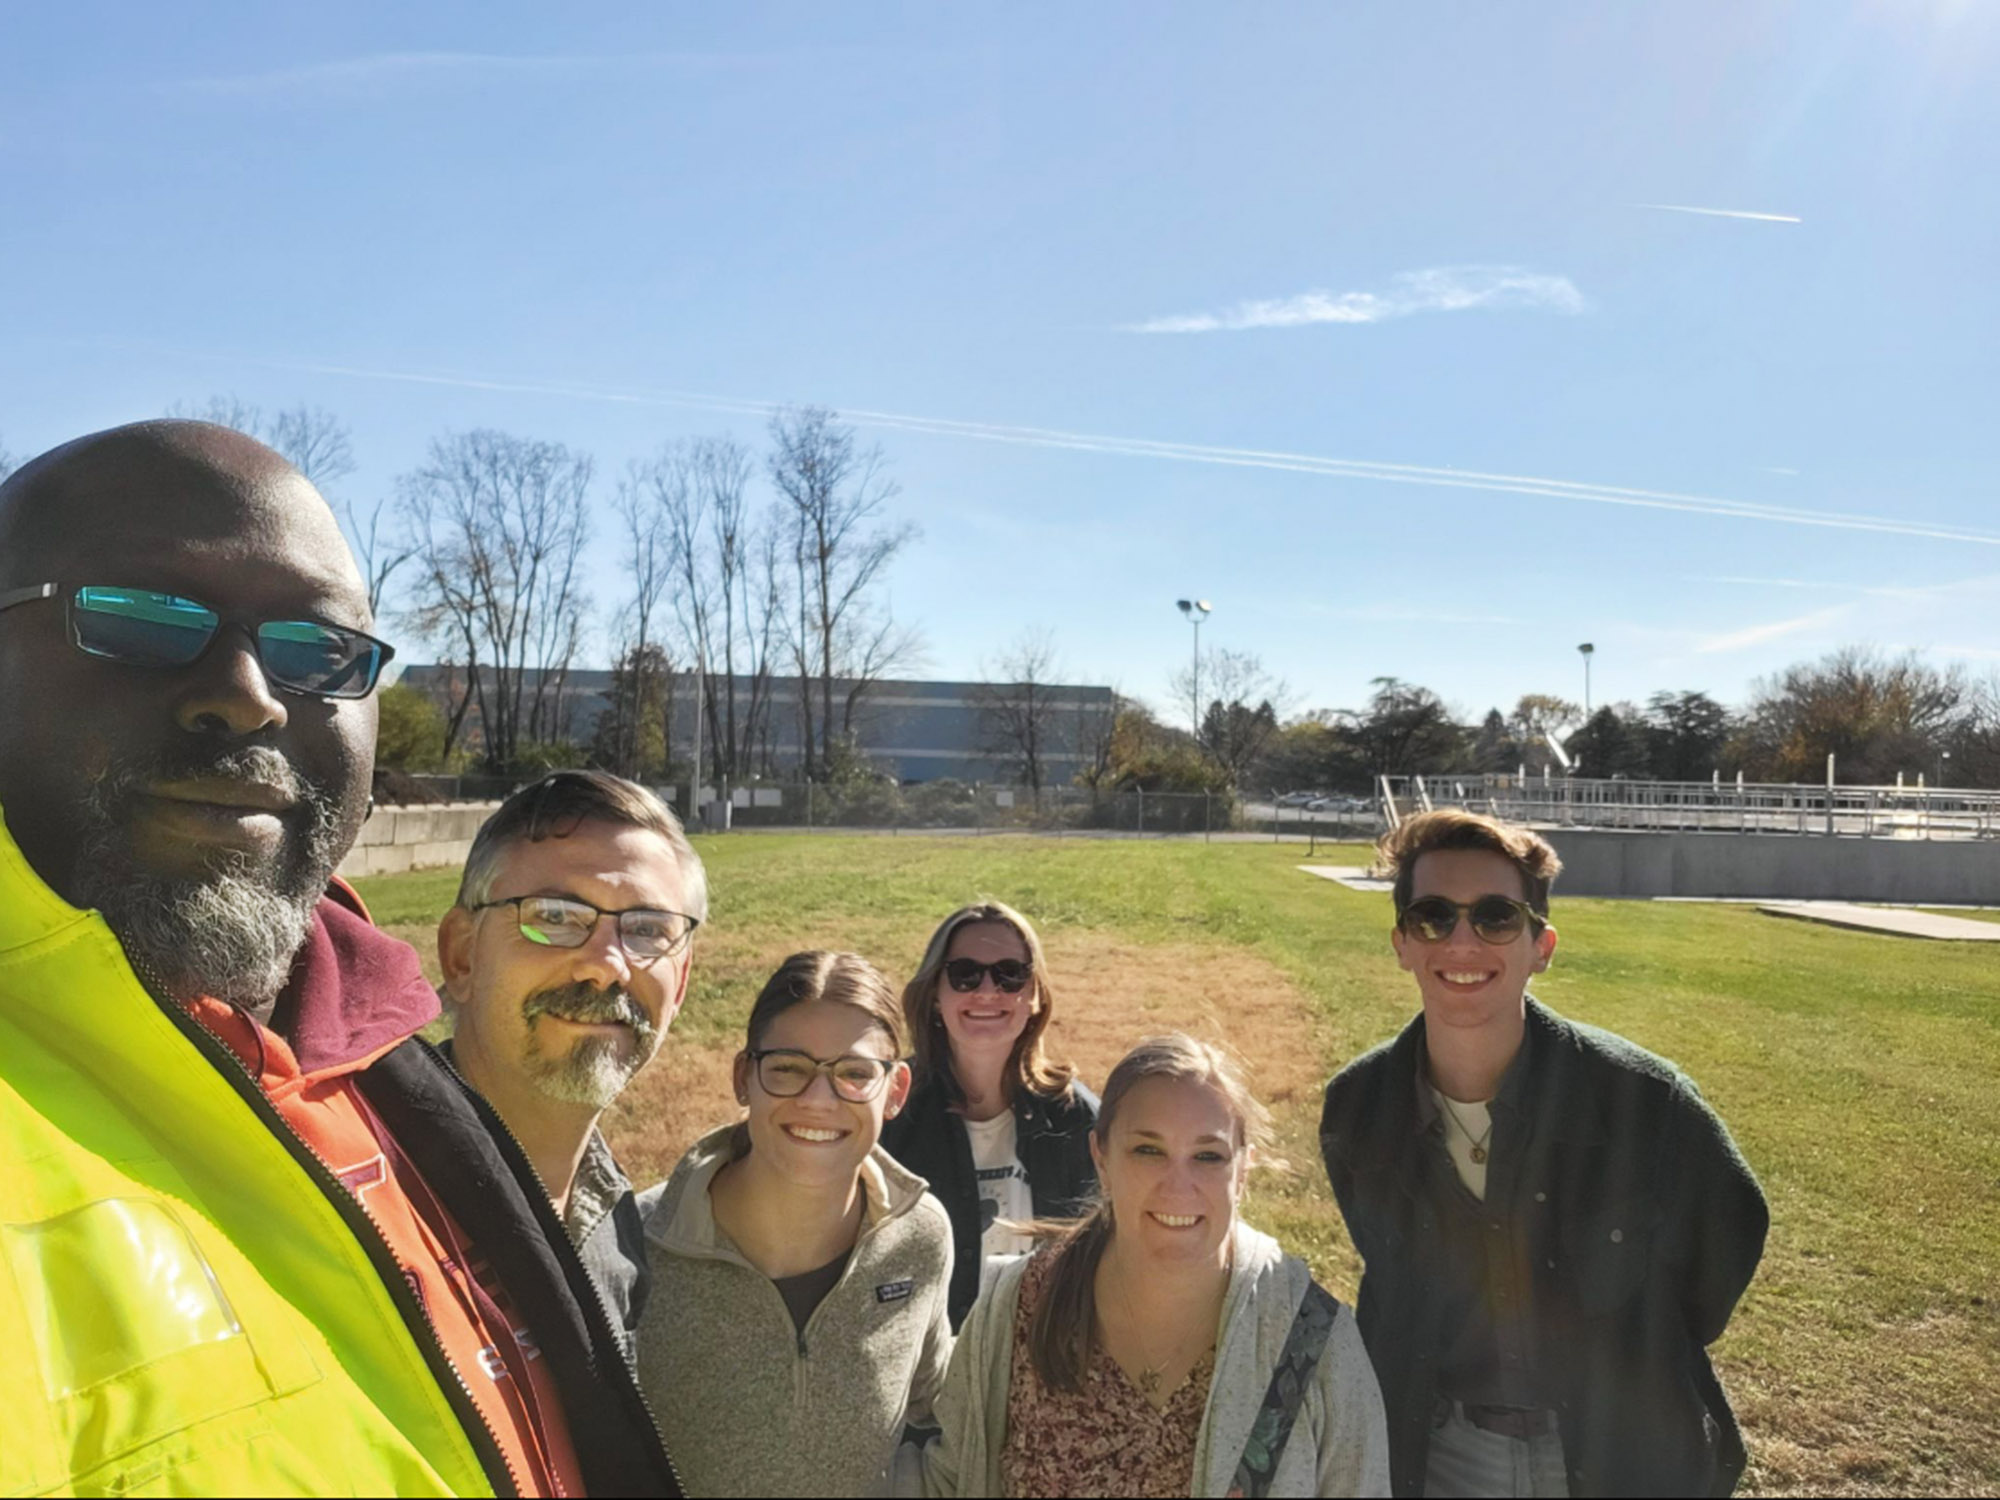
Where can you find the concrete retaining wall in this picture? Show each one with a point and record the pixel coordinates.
(1935, 872)
(395, 839)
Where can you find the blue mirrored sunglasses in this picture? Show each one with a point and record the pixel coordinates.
(143, 628)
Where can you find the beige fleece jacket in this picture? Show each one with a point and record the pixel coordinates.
(749, 1406)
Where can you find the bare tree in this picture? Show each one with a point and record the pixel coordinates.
(648, 562)
(1877, 715)
(1097, 742)
(1019, 718)
(500, 524)
(7, 463)
(320, 446)
(1245, 704)
(832, 496)
(311, 439)
(721, 565)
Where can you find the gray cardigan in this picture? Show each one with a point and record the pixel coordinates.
(750, 1406)
(1338, 1447)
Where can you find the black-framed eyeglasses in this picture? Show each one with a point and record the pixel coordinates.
(644, 932)
(1010, 975)
(147, 628)
(1494, 919)
(786, 1072)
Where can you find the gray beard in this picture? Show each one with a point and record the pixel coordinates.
(596, 1069)
(232, 936)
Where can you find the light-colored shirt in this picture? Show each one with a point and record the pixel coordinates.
(1003, 1185)
(1466, 1125)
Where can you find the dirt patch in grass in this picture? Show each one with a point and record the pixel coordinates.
(1109, 993)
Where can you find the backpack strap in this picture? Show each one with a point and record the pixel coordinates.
(1273, 1427)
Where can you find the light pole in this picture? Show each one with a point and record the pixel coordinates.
(1586, 650)
(1196, 610)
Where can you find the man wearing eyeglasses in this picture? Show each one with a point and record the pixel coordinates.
(1554, 1226)
(255, 1237)
(566, 958)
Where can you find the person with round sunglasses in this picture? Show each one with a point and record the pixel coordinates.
(797, 1316)
(1160, 1346)
(1554, 1226)
(999, 1129)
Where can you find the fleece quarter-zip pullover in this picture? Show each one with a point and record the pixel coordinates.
(748, 1403)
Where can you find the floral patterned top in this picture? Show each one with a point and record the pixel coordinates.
(1106, 1439)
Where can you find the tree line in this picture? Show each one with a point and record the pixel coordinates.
(737, 594)
(754, 586)
(1880, 716)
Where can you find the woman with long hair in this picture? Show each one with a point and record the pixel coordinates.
(999, 1130)
(1161, 1346)
(797, 1315)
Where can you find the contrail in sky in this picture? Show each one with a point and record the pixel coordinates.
(1721, 213)
(1242, 458)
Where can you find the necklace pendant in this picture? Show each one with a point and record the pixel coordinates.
(1479, 1155)
(1149, 1381)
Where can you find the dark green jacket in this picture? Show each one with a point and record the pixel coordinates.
(1643, 1225)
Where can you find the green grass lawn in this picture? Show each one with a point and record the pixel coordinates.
(1856, 1071)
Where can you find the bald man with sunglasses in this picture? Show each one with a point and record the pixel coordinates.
(1553, 1224)
(255, 1236)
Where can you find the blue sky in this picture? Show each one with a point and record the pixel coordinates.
(1349, 318)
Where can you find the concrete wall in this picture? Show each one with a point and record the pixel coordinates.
(395, 839)
(1936, 872)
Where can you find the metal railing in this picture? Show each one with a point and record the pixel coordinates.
(1895, 812)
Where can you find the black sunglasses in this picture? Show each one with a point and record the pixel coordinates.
(145, 628)
(1010, 975)
(1494, 919)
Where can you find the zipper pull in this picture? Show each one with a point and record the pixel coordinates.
(802, 1343)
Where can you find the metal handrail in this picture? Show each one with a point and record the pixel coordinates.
(1713, 806)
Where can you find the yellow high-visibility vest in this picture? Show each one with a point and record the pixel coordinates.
(182, 1309)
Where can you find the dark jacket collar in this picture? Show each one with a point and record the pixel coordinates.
(1377, 1135)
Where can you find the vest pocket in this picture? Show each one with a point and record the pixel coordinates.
(130, 1331)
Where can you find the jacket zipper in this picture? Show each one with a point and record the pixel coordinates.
(490, 1117)
(800, 1344)
(485, 1442)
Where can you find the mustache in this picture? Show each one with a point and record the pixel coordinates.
(586, 1002)
(253, 765)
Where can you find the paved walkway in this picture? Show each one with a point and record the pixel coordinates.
(1354, 877)
(1899, 920)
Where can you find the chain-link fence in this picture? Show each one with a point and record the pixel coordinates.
(970, 808)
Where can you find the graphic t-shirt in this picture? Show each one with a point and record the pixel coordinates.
(1003, 1185)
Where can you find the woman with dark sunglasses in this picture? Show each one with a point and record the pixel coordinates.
(1001, 1132)
(796, 1321)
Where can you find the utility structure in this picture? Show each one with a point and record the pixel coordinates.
(1196, 611)
(1586, 650)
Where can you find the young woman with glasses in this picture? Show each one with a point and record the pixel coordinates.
(1162, 1346)
(797, 1315)
(1001, 1132)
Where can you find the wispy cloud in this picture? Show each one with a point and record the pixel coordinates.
(1773, 469)
(353, 74)
(1722, 213)
(1756, 635)
(1243, 458)
(1983, 583)
(1439, 289)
